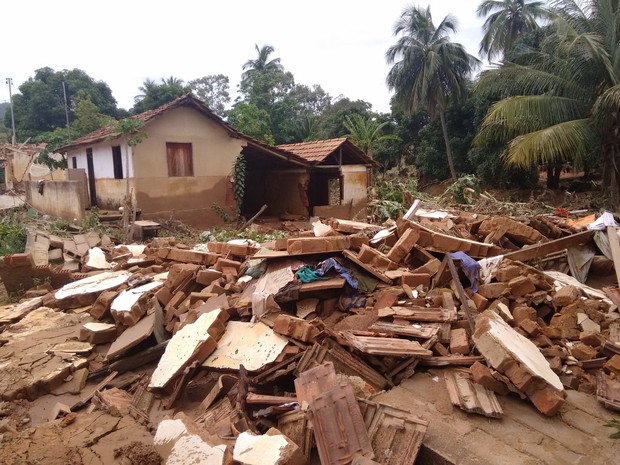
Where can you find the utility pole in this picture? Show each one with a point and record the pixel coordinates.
(64, 91)
(9, 81)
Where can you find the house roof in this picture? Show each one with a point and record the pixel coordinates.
(186, 100)
(317, 152)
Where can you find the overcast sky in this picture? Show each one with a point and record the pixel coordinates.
(339, 44)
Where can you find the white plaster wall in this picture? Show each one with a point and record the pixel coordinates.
(355, 182)
(102, 159)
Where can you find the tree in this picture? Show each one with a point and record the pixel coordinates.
(88, 118)
(213, 90)
(331, 121)
(154, 95)
(262, 64)
(366, 133)
(506, 21)
(251, 120)
(562, 103)
(428, 70)
(40, 106)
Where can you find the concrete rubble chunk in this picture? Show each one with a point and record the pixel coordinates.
(131, 304)
(179, 443)
(193, 342)
(272, 448)
(566, 295)
(517, 358)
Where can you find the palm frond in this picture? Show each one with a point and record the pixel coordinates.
(570, 140)
(515, 116)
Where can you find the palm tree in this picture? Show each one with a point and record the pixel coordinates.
(428, 70)
(262, 63)
(506, 21)
(146, 88)
(562, 102)
(172, 81)
(366, 132)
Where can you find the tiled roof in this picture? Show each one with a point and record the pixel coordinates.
(316, 150)
(184, 100)
(319, 150)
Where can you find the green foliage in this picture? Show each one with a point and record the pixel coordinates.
(213, 90)
(391, 195)
(238, 175)
(39, 105)
(506, 21)
(365, 133)
(131, 130)
(333, 117)
(459, 188)
(225, 235)
(562, 101)
(12, 233)
(251, 120)
(88, 118)
(154, 95)
(262, 64)
(222, 213)
(428, 71)
(614, 423)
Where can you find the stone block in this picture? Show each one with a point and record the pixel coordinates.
(295, 328)
(206, 277)
(592, 338)
(481, 374)
(583, 352)
(414, 280)
(459, 343)
(492, 290)
(566, 296)
(521, 286)
(613, 365)
(404, 245)
(530, 327)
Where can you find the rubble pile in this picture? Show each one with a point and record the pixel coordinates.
(274, 353)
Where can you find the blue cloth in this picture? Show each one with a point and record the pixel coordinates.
(330, 263)
(471, 268)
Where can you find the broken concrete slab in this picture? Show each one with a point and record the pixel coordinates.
(131, 304)
(98, 333)
(85, 291)
(520, 360)
(131, 337)
(193, 342)
(272, 448)
(247, 344)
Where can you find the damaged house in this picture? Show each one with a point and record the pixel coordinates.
(183, 168)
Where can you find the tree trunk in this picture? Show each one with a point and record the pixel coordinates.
(553, 175)
(444, 128)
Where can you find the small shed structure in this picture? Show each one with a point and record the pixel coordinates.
(339, 176)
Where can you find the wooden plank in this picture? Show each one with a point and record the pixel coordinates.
(614, 244)
(370, 269)
(452, 360)
(419, 331)
(420, 314)
(461, 292)
(387, 346)
(542, 250)
(471, 397)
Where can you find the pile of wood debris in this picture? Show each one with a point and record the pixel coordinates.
(274, 353)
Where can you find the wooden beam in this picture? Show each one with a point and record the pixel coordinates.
(614, 244)
(542, 250)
